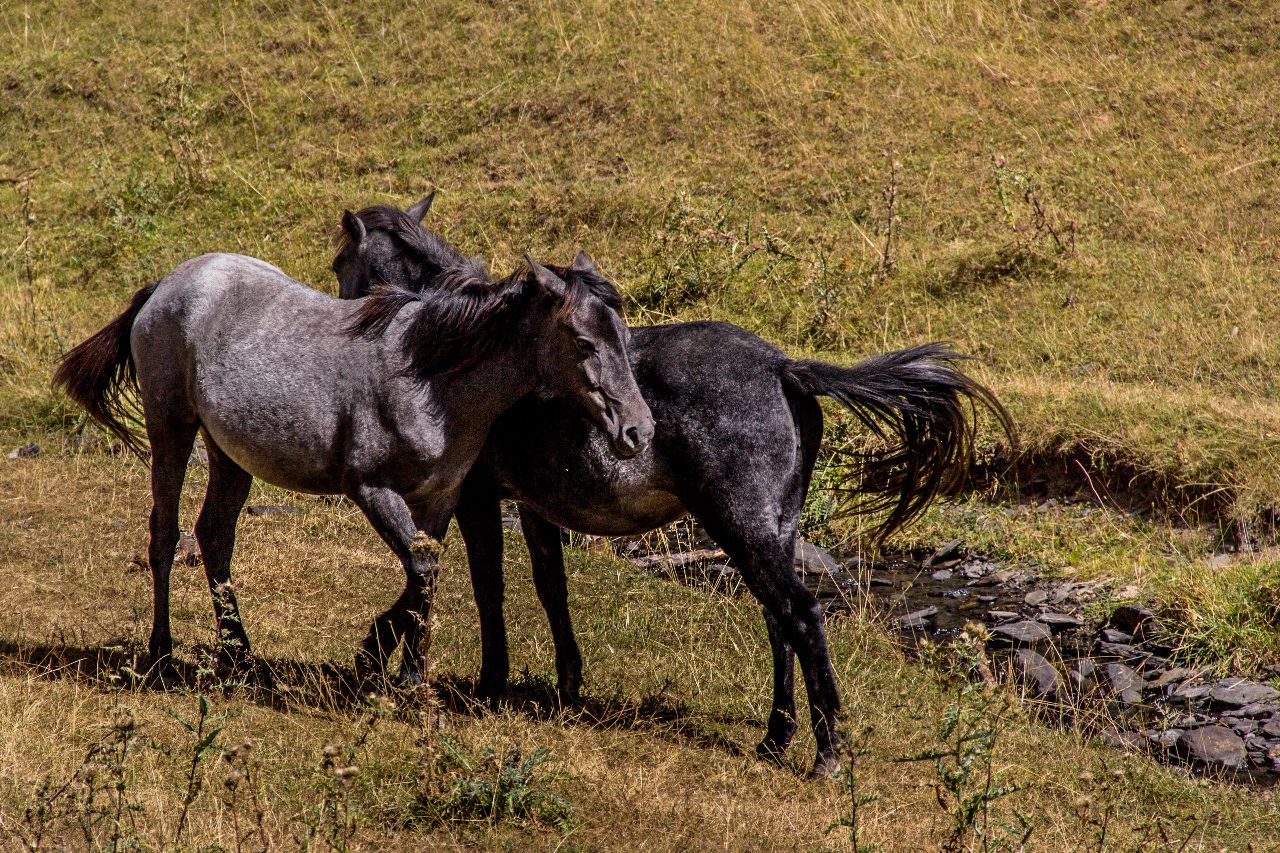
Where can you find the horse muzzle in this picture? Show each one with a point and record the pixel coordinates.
(632, 435)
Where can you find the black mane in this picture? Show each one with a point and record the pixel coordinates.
(462, 318)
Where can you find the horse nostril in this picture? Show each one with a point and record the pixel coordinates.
(632, 434)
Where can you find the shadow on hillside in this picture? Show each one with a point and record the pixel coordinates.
(286, 685)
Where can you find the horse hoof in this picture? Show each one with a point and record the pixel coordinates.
(370, 676)
(164, 677)
(408, 680)
(490, 691)
(772, 751)
(825, 766)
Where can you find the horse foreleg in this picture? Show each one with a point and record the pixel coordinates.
(420, 556)
(546, 553)
(391, 518)
(479, 515)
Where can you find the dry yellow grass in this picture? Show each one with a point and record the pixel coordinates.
(662, 760)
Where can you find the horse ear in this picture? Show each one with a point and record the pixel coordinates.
(550, 283)
(419, 211)
(582, 263)
(354, 228)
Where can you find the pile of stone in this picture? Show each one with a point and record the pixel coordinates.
(1154, 705)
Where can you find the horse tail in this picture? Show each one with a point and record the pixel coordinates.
(919, 403)
(98, 373)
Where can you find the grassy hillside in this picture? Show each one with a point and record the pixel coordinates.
(1143, 133)
(1083, 195)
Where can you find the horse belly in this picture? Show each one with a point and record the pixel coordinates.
(296, 464)
(274, 435)
(640, 514)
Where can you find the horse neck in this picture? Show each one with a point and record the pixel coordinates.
(475, 396)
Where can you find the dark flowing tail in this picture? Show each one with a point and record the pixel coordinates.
(921, 404)
(98, 373)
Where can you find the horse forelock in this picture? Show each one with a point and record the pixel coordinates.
(593, 283)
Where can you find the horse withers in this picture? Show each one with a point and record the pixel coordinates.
(738, 427)
(386, 400)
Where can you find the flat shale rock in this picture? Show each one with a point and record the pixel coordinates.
(1188, 694)
(919, 620)
(1243, 727)
(1080, 676)
(1131, 618)
(1059, 622)
(1126, 684)
(943, 554)
(1123, 652)
(1165, 739)
(1121, 739)
(1214, 747)
(1237, 692)
(811, 558)
(1037, 673)
(1170, 676)
(1024, 633)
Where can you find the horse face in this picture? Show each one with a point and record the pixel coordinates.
(370, 259)
(583, 355)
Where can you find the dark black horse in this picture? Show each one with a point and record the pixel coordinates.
(737, 429)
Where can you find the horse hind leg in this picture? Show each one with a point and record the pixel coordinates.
(225, 495)
(797, 624)
(781, 728)
(794, 620)
(171, 440)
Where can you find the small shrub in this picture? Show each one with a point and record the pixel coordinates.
(966, 785)
(489, 789)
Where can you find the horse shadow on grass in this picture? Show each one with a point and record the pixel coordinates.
(288, 685)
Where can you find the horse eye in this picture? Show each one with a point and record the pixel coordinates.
(586, 346)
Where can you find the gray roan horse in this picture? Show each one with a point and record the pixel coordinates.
(737, 432)
(386, 401)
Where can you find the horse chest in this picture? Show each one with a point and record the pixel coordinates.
(594, 492)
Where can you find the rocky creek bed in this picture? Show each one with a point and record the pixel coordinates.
(1108, 673)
